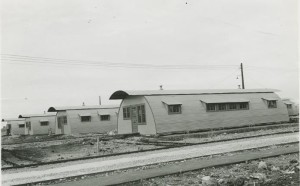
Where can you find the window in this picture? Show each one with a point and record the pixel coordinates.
(44, 123)
(105, 117)
(289, 106)
(126, 113)
(232, 106)
(272, 103)
(244, 106)
(141, 114)
(174, 109)
(222, 106)
(21, 125)
(85, 118)
(210, 107)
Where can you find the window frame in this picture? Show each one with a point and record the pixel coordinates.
(127, 113)
(289, 106)
(245, 108)
(143, 120)
(270, 106)
(216, 106)
(211, 105)
(21, 125)
(85, 121)
(108, 117)
(43, 125)
(171, 111)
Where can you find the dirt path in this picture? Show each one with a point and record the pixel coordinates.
(195, 164)
(28, 175)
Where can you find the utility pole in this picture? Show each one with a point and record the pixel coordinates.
(99, 100)
(242, 73)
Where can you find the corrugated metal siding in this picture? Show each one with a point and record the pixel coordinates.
(36, 127)
(194, 115)
(15, 130)
(96, 125)
(124, 126)
(293, 111)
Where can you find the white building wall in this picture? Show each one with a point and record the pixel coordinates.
(194, 115)
(15, 130)
(36, 127)
(95, 125)
(125, 126)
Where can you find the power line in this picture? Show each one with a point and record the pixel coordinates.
(226, 77)
(268, 68)
(20, 59)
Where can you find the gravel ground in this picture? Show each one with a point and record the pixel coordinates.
(181, 181)
(139, 159)
(275, 174)
(77, 150)
(69, 147)
(238, 135)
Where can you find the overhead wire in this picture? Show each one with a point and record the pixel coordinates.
(19, 59)
(226, 77)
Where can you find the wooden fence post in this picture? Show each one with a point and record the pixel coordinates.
(97, 143)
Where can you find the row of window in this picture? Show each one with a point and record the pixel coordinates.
(28, 124)
(89, 118)
(63, 120)
(210, 107)
(227, 106)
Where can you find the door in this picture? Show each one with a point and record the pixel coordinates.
(62, 128)
(61, 124)
(28, 127)
(8, 130)
(134, 119)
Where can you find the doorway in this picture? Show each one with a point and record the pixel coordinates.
(8, 129)
(134, 119)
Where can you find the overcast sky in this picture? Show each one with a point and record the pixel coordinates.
(216, 35)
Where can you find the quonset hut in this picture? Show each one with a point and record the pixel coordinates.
(36, 124)
(164, 111)
(85, 119)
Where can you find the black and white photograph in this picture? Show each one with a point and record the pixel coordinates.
(150, 92)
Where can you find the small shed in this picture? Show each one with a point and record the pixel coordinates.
(85, 119)
(164, 111)
(15, 126)
(36, 124)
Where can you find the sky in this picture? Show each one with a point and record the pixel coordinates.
(64, 52)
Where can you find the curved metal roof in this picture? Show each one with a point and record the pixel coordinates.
(121, 94)
(56, 109)
(13, 119)
(37, 115)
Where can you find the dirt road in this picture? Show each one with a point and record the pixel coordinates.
(49, 172)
